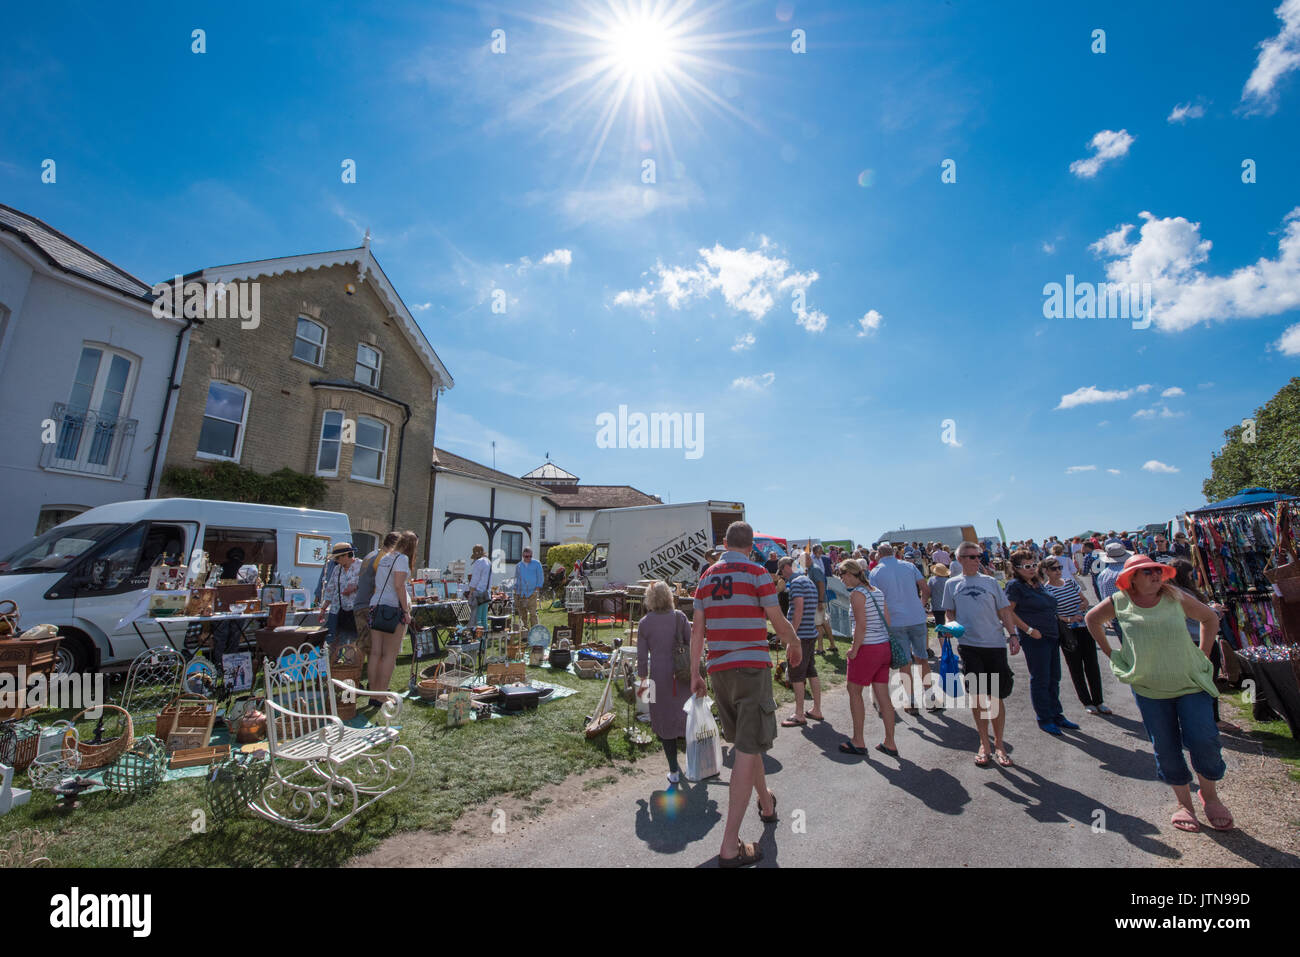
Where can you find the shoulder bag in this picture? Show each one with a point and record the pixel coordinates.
(900, 653)
(681, 651)
(386, 618)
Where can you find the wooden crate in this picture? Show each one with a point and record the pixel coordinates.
(193, 757)
(191, 717)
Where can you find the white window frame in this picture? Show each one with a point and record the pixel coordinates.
(95, 403)
(378, 368)
(320, 445)
(514, 535)
(575, 518)
(541, 531)
(383, 456)
(243, 425)
(324, 341)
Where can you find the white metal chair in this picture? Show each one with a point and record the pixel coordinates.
(324, 772)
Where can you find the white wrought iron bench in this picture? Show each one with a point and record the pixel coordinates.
(324, 772)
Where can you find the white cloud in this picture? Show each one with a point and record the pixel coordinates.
(754, 383)
(1289, 344)
(744, 342)
(1172, 391)
(1103, 423)
(1114, 471)
(750, 282)
(1154, 466)
(557, 257)
(1184, 112)
(869, 323)
(1278, 56)
(1090, 394)
(1156, 411)
(422, 306)
(814, 321)
(1146, 387)
(1080, 468)
(1107, 145)
(1049, 248)
(1169, 253)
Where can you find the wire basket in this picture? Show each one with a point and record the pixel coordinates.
(48, 770)
(140, 769)
(19, 742)
(97, 755)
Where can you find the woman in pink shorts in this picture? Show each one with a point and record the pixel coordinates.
(868, 658)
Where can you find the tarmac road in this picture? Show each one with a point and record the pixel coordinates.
(1090, 798)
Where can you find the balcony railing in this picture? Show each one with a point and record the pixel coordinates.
(89, 442)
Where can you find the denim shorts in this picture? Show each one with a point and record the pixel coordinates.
(915, 637)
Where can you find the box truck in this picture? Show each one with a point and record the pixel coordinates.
(950, 535)
(668, 542)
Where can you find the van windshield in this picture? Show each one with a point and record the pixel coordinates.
(57, 549)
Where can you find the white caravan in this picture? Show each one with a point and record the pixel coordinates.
(656, 541)
(88, 575)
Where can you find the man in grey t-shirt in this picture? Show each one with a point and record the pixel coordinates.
(978, 604)
(906, 592)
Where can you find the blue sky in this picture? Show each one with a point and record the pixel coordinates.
(776, 173)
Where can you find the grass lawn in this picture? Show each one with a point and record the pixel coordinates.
(455, 768)
(1275, 736)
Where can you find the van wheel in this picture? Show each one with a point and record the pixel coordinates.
(74, 655)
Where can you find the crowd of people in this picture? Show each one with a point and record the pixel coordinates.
(1131, 597)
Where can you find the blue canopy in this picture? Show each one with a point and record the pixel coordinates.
(1247, 496)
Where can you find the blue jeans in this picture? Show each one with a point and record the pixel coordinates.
(1183, 722)
(1043, 655)
(480, 615)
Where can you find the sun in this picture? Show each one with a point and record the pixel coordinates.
(642, 47)
(634, 67)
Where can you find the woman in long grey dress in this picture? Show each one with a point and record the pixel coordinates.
(660, 630)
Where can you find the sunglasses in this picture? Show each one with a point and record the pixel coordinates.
(1151, 571)
(1028, 565)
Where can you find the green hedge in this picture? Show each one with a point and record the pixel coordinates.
(566, 555)
(228, 482)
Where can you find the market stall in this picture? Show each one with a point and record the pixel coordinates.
(1245, 557)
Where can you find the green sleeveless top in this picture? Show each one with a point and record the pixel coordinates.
(1158, 658)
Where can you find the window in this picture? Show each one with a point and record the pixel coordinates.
(222, 435)
(331, 437)
(541, 532)
(100, 395)
(512, 543)
(369, 360)
(56, 515)
(230, 548)
(575, 518)
(309, 342)
(364, 543)
(370, 453)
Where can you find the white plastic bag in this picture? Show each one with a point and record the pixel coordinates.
(703, 741)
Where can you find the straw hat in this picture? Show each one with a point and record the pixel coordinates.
(1139, 562)
(940, 569)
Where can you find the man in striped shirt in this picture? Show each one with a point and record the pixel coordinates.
(803, 618)
(734, 601)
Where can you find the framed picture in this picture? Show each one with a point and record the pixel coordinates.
(420, 589)
(237, 669)
(311, 549)
(424, 644)
(458, 707)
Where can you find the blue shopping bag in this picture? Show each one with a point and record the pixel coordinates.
(950, 677)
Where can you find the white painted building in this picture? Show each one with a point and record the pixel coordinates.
(85, 403)
(477, 505)
(570, 507)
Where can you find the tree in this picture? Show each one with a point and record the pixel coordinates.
(1272, 461)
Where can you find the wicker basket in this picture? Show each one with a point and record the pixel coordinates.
(140, 769)
(98, 755)
(48, 770)
(19, 742)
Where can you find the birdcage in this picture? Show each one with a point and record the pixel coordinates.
(575, 597)
(19, 742)
(447, 676)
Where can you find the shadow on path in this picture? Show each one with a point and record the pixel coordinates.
(671, 820)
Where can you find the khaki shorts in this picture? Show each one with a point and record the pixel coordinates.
(363, 629)
(821, 614)
(746, 707)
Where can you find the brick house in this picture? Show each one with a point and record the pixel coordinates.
(334, 379)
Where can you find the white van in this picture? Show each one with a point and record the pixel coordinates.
(656, 541)
(88, 574)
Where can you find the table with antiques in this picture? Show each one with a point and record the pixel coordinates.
(36, 651)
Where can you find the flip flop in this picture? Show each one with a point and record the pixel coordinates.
(793, 722)
(1185, 820)
(848, 747)
(814, 717)
(982, 759)
(1002, 758)
(1218, 813)
(892, 752)
(749, 854)
(767, 818)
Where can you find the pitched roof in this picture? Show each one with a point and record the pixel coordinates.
(70, 256)
(367, 268)
(598, 496)
(549, 472)
(444, 461)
